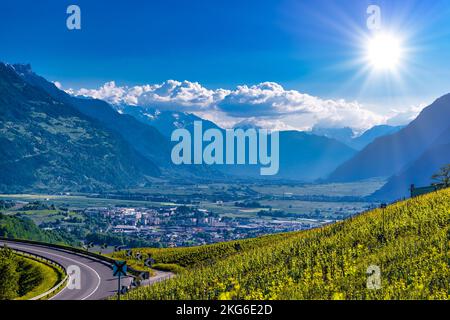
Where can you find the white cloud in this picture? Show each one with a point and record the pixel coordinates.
(270, 100)
(266, 105)
(404, 116)
(270, 124)
(108, 92)
(57, 84)
(170, 95)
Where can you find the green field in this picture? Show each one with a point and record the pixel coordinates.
(356, 189)
(78, 201)
(408, 242)
(227, 209)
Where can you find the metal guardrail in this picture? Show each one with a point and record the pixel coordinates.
(166, 275)
(418, 191)
(48, 261)
(105, 260)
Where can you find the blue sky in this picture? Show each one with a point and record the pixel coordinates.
(313, 47)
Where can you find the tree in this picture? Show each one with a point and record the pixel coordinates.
(443, 176)
(9, 277)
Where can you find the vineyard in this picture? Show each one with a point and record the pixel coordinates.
(408, 242)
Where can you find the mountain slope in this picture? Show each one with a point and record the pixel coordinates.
(407, 241)
(49, 145)
(136, 128)
(370, 135)
(166, 121)
(419, 172)
(143, 138)
(388, 155)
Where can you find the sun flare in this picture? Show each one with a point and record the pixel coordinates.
(384, 52)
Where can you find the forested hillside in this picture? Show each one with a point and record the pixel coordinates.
(49, 145)
(23, 228)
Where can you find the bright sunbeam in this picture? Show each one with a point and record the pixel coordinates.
(384, 52)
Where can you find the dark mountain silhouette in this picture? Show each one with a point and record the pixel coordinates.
(419, 172)
(309, 157)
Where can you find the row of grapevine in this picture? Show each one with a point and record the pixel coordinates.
(408, 242)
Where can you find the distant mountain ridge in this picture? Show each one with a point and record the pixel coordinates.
(372, 134)
(165, 121)
(346, 135)
(303, 157)
(388, 155)
(141, 138)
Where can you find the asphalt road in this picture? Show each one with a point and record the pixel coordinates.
(96, 279)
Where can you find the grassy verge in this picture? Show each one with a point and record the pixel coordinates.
(51, 276)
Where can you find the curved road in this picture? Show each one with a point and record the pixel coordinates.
(96, 279)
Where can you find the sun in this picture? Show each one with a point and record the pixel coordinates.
(384, 52)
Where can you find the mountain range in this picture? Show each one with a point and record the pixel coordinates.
(165, 121)
(48, 144)
(358, 142)
(55, 141)
(303, 157)
(117, 148)
(145, 139)
(409, 156)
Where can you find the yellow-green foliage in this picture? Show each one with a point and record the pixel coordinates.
(196, 256)
(411, 248)
(23, 277)
(50, 277)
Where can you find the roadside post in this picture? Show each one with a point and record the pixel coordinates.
(119, 270)
(383, 208)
